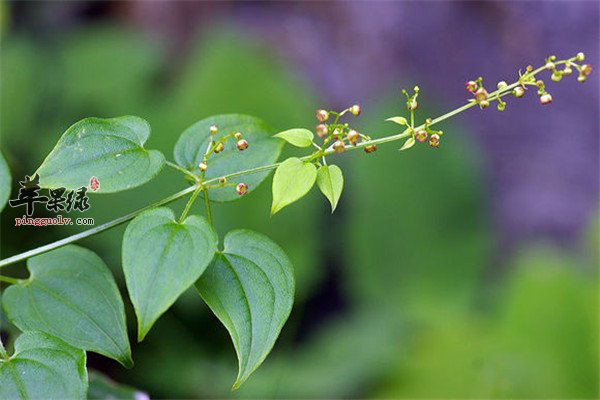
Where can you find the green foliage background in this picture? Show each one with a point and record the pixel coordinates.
(401, 293)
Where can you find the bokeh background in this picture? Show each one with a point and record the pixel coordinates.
(467, 272)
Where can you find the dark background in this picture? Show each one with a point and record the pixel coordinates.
(471, 271)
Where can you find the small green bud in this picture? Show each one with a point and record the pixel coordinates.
(581, 78)
(213, 130)
(202, 166)
(222, 181)
(238, 135)
(484, 104)
(580, 56)
(501, 106)
(556, 76)
(219, 148)
(413, 105)
(550, 66)
(502, 85)
(355, 110)
(567, 70)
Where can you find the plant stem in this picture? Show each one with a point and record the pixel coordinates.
(202, 184)
(207, 205)
(93, 231)
(190, 202)
(8, 279)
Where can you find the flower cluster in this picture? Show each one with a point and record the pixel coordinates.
(341, 134)
(216, 146)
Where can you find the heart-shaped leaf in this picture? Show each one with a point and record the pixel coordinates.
(292, 180)
(331, 182)
(72, 295)
(263, 150)
(250, 288)
(161, 259)
(43, 367)
(112, 150)
(298, 137)
(5, 181)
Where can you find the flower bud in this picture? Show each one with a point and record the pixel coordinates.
(434, 140)
(353, 137)
(355, 109)
(518, 92)
(481, 94)
(471, 86)
(242, 145)
(322, 115)
(339, 146)
(370, 148)
(219, 148)
(586, 69)
(556, 76)
(484, 104)
(213, 129)
(580, 56)
(501, 106)
(550, 66)
(421, 136)
(222, 181)
(567, 70)
(413, 105)
(202, 166)
(546, 98)
(241, 189)
(502, 85)
(428, 121)
(529, 68)
(322, 130)
(581, 78)
(238, 135)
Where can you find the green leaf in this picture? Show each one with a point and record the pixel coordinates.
(161, 259)
(263, 150)
(398, 120)
(410, 142)
(331, 182)
(109, 149)
(5, 181)
(71, 294)
(292, 180)
(298, 137)
(250, 288)
(102, 388)
(43, 367)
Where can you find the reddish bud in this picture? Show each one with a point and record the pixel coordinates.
(219, 148)
(586, 69)
(370, 148)
(434, 140)
(471, 86)
(241, 189)
(223, 180)
(242, 145)
(237, 135)
(322, 115)
(355, 110)
(481, 94)
(213, 129)
(322, 130)
(339, 146)
(546, 98)
(353, 137)
(421, 136)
